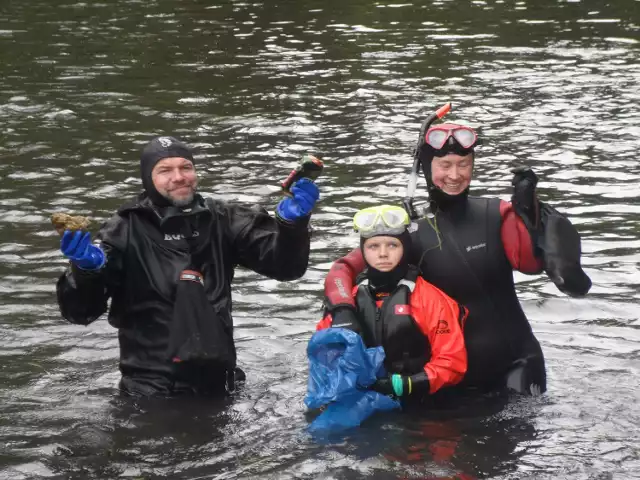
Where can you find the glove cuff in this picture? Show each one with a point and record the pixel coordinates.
(280, 213)
(346, 317)
(97, 260)
(341, 307)
(398, 384)
(333, 308)
(282, 218)
(419, 383)
(84, 276)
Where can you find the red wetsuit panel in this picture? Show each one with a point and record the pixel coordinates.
(516, 241)
(339, 283)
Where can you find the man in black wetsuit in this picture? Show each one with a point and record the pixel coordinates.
(166, 260)
(468, 247)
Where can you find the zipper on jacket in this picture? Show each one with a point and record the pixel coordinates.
(380, 324)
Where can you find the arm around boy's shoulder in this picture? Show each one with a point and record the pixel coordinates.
(341, 279)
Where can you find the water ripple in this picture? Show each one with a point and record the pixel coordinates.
(254, 86)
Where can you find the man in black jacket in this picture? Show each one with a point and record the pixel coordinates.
(166, 260)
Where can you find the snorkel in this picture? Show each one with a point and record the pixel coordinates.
(407, 203)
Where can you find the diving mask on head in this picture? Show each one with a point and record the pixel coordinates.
(380, 220)
(438, 136)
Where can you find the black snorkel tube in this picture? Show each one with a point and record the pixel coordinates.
(407, 203)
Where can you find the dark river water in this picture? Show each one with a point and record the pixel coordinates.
(253, 85)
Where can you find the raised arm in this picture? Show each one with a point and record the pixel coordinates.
(551, 238)
(268, 245)
(341, 279)
(517, 242)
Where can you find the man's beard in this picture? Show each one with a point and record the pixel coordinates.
(182, 202)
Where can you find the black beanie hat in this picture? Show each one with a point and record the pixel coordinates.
(387, 281)
(157, 149)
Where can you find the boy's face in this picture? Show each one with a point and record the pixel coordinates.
(382, 253)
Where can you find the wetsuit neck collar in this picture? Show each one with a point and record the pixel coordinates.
(452, 204)
(172, 213)
(386, 282)
(169, 213)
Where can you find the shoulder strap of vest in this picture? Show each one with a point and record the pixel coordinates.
(410, 278)
(362, 279)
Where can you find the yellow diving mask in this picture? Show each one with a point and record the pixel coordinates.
(380, 220)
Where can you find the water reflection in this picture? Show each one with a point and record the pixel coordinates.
(253, 85)
(141, 437)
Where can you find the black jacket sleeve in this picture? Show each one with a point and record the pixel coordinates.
(83, 294)
(268, 245)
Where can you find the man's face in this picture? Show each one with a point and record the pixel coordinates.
(175, 179)
(383, 253)
(452, 173)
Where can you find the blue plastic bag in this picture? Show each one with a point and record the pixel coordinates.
(341, 369)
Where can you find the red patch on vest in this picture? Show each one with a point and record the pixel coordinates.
(192, 276)
(402, 310)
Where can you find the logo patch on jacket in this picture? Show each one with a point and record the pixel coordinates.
(476, 247)
(402, 310)
(443, 327)
(178, 236)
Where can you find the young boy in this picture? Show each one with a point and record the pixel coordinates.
(419, 327)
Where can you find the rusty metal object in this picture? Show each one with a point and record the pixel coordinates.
(63, 221)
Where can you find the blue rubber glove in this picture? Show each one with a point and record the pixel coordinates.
(77, 247)
(305, 195)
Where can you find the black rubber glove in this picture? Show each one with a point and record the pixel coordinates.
(524, 198)
(345, 317)
(528, 376)
(402, 385)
